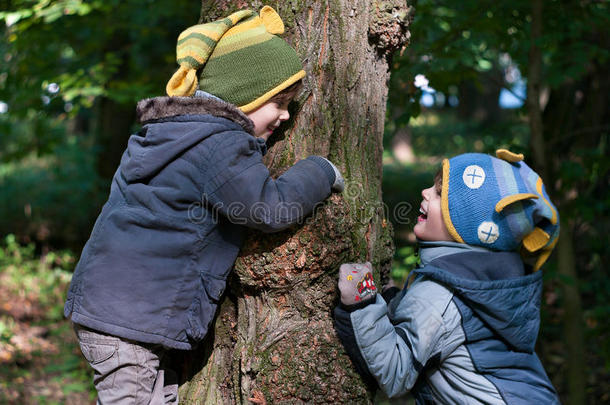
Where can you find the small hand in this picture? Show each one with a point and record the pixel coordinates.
(339, 183)
(356, 283)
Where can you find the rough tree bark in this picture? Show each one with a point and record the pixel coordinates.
(273, 340)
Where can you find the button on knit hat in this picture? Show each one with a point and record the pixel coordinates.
(240, 59)
(499, 203)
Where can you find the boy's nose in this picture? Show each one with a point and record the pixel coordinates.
(284, 115)
(424, 193)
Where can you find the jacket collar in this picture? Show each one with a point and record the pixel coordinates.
(429, 251)
(471, 262)
(157, 108)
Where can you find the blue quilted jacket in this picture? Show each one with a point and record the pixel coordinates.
(188, 185)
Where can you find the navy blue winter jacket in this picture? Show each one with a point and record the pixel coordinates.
(462, 333)
(188, 184)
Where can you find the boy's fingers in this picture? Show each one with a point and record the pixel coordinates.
(353, 269)
(356, 267)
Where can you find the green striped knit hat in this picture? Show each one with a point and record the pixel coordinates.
(240, 59)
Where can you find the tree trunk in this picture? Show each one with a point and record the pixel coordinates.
(273, 338)
(113, 130)
(534, 83)
(573, 319)
(572, 323)
(114, 119)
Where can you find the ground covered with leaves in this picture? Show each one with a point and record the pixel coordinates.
(40, 361)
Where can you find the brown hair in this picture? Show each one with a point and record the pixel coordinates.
(287, 94)
(438, 181)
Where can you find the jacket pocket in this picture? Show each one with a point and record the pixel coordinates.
(214, 286)
(203, 308)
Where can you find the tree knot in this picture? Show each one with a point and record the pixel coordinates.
(388, 28)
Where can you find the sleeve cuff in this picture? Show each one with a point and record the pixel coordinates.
(326, 166)
(390, 293)
(354, 307)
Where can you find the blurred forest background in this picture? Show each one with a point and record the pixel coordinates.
(531, 76)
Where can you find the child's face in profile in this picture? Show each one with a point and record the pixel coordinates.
(430, 225)
(268, 117)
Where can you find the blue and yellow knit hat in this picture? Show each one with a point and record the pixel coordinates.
(240, 59)
(499, 203)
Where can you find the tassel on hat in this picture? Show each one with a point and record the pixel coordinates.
(195, 45)
(240, 58)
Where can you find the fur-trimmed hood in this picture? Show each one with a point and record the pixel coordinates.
(174, 125)
(152, 109)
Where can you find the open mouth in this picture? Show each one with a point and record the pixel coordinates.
(423, 215)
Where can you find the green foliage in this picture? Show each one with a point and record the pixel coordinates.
(586, 202)
(441, 133)
(22, 135)
(454, 42)
(51, 198)
(7, 326)
(61, 56)
(60, 59)
(45, 278)
(405, 260)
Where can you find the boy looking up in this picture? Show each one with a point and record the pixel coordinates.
(155, 267)
(464, 330)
